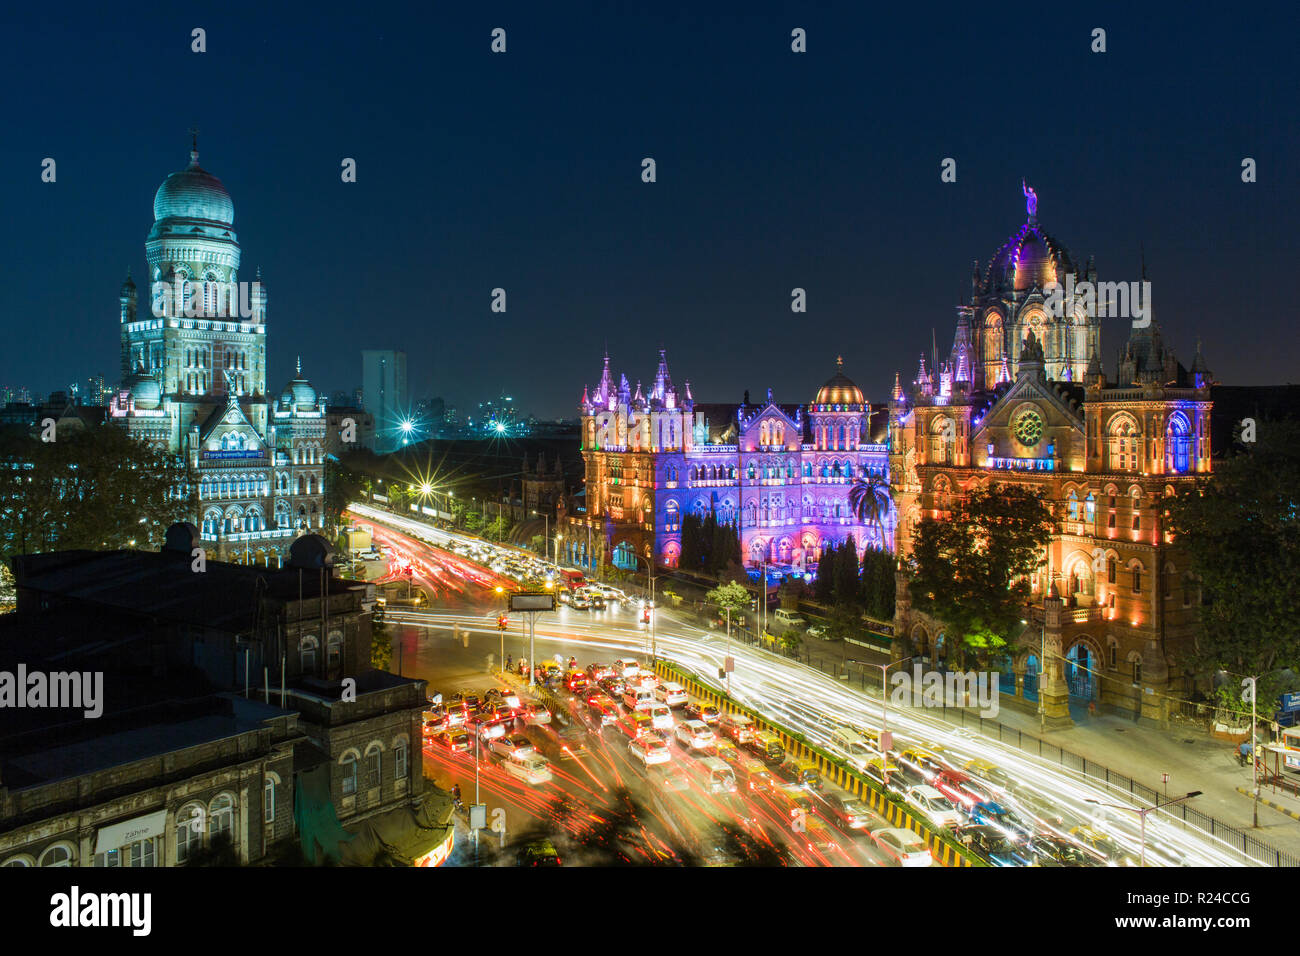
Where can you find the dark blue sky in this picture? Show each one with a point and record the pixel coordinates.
(522, 171)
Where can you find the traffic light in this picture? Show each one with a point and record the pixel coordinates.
(503, 622)
(645, 616)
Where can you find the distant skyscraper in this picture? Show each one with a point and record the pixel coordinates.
(96, 394)
(383, 391)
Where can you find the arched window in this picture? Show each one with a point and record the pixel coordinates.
(334, 650)
(1136, 568)
(349, 763)
(190, 824)
(60, 854)
(307, 654)
(1124, 439)
(1090, 508)
(374, 764)
(1178, 444)
(807, 469)
(221, 816)
(268, 799)
(1073, 505)
(750, 472)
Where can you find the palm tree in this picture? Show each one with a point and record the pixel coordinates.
(869, 499)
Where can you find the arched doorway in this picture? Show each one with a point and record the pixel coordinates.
(1032, 669)
(1081, 665)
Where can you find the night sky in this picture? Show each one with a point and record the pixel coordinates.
(523, 170)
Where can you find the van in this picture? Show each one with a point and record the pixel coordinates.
(736, 726)
(788, 618)
(635, 724)
(767, 745)
(855, 747)
(721, 779)
(530, 767)
(635, 697)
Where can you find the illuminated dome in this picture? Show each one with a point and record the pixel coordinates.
(1028, 258)
(299, 394)
(145, 390)
(194, 193)
(840, 390)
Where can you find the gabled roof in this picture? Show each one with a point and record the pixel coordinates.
(217, 417)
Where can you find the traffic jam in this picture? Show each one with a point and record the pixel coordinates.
(714, 790)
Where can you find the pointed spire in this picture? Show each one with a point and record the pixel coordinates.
(897, 393)
(300, 366)
(194, 146)
(585, 400)
(839, 362)
(689, 397)
(1004, 371)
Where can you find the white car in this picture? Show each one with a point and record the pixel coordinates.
(904, 847)
(671, 693)
(511, 744)
(627, 669)
(661, 718)
(695, 734)
(934, 805)
(649, 749)
(529, 767)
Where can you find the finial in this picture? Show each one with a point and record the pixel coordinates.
(300, 366)
(839, 361)
(194, 145)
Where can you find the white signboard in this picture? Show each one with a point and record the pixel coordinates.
(129, 831)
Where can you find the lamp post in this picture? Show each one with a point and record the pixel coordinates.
(1248, 686)
(558, 538)
(1042, 671)
(884, 710)
(500, 590)
(1142, 814)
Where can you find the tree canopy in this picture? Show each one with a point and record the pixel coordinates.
(95, 488)
(1241, 530)
(971, 569)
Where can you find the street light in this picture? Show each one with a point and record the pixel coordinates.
(500, 590)
(1142, 814)
(884, 708)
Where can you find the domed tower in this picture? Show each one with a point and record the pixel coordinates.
(839, 414)
(1015, 296)
(204, 334)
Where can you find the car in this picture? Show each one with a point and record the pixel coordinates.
(456, 741)
(597, 602)
(472, 701)
(660, 715)
(801, 771)
(602, 711)
(613, 686)
(531, 768)
(538, 853)
(993, 847)
(990, 773)
(999, 817)
(626, 668)
(576, 682)
(635, 724)
(738, 727)
(933, 805)
(884, 772)
(456, 716)
(565, 598)
(1055, 851)
(848, 810)
(536, 714)
(919, 765)
(580, 602)
(705, 712)
(671, 693)
(508, 744)
(598, 672)
(817, 630)
(793, 800)
(649, 749)
(1103, 845)
(506, 696)
(495, 710)
(903, 847)
(768, 746)
(819, 836)
(434, 724)
(952, 784)
(695, 735)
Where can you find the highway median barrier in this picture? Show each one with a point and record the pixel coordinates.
(946, 850)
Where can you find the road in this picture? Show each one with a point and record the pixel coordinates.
(795, 695)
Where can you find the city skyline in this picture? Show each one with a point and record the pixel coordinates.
(798, 179)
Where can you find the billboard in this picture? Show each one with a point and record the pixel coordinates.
(532, 601)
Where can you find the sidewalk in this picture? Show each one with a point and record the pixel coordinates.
(1193, 760)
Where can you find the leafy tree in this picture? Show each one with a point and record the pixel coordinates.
(497, 528)
(692, 530)
(473, 522)
(726, 547)
(878, 588)
(734, 596)
(869, 499)
(845, 621)
(789, 640)
(92, 488)
(972, 570)
(845, 578)
(1241, 530)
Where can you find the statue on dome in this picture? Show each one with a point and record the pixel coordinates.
(1031, 199)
